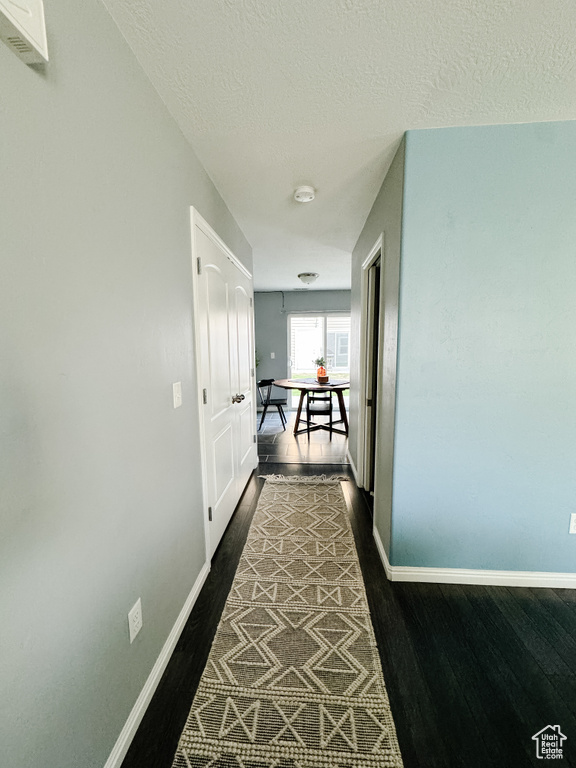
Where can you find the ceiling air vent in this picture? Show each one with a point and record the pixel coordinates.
(23, 30)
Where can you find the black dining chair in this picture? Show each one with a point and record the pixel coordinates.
(265, 394)
(318, 404)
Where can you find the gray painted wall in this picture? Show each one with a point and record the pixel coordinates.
(99, 475)
(385, 217)
(271, 312)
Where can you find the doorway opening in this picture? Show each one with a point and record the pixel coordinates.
(311, 336)
(370, 366)
(372, 372)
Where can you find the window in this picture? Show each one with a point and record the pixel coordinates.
(314, 336)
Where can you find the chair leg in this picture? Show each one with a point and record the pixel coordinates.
(308, 418)
(263, 417)
(282, 417)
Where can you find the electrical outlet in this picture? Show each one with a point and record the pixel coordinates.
(273, 355)
(135, 619)
(177, 394)
(572, 523)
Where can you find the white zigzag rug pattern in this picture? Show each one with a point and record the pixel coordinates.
(293, 679)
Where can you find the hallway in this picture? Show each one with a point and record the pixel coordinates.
(439, 138)
(472, 672)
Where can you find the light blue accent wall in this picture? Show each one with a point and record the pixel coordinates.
(485, 448)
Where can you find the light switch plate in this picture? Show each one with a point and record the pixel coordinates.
(23, 29)
(177, 394)
(572, 523)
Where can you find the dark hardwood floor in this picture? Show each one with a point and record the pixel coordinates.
(278, 445)
(472, 672)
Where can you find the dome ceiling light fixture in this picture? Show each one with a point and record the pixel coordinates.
(304, 194)
(308, 277)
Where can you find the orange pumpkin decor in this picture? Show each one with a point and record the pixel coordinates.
(321, 375)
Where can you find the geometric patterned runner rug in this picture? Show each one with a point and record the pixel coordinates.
(293, 679)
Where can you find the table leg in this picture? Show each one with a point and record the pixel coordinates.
(340, 396)
(299, 411)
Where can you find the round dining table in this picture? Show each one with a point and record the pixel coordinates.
(311, 385)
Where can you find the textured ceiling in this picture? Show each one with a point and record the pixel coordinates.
(277, 93)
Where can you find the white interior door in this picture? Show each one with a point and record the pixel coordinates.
(224, 343)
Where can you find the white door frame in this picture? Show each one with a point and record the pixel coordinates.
(196, 220)
(377, 251)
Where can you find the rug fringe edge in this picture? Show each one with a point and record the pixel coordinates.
(304, 478)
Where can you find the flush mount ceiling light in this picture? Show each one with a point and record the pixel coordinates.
(304, 194)
(308, 277)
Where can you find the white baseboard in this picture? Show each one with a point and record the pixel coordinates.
(382, 553)
(472, 576)
(353, 467)
(134, 718)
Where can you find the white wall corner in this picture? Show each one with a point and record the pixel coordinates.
(473, 576)
(382, 553)
(138, 710)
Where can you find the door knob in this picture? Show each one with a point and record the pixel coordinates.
(238, 398)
